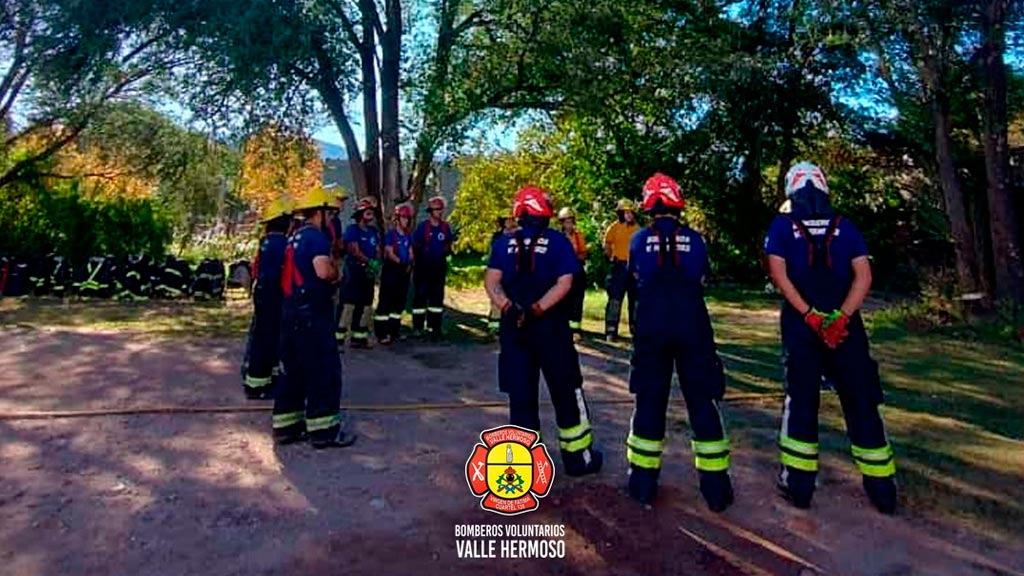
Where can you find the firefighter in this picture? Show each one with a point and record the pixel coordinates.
(308, 403)
(669, 261)
(506, 227)
(261, 370)
(819, 261)
(579, 281)
(619, 284)
(362, 263)
(528, 277)
(432, 243)
(394, 280)
(336, 230)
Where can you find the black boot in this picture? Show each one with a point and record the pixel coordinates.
(261, 393)
(716, 487)
(340, 439)
(797, 486)
(882, 493)
(643, 484)
(291, 434)
(582, 462)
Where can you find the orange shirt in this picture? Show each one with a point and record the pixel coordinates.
(579, 245)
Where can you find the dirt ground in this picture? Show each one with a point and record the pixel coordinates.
(209, 493)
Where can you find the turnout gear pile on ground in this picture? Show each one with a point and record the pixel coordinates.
(395, 277)
(432, 243)
(133, 278)
(41, 274)
(15, 277)
(96, 278)
(173, 279)
(819, 247)
(619, 284)
(308, 401)
(534, 340)
(208, 282)
(674, 334)
(360, 276)
(240, 275)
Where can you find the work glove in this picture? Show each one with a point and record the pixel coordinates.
(816, 320)
(515, 313)
(834, 330)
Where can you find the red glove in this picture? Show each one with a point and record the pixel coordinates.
(816, 320)
(835, 331)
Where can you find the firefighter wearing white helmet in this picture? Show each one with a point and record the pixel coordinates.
(261, 373)
(309, 402)
(619, 284)
(819, 261)
(574, 300)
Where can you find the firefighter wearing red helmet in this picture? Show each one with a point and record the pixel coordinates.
(432, 243)
(394, 278)
(819, 262)
(669, 261)
(529, 274)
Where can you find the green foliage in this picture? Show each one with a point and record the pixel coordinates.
(40, 220)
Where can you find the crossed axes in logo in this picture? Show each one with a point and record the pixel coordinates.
(478, 472)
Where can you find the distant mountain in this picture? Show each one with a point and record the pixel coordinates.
(330, 151)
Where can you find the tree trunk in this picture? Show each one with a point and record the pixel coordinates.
(391, 47)
(327, 87)
(952, 192)
(1009, 272)
(371, 123)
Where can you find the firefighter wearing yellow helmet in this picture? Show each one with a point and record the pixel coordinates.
(619, 284)
(260, 373)
(308, 404)
(567, 218)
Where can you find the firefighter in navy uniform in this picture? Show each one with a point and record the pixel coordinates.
(528, 277)
(819, 262)
(336, 231)
(361, 265)
(673, 333)
(261, 361)
(432, 243)
(309, 399)
(394, 278)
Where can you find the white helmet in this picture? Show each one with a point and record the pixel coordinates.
(802, 173)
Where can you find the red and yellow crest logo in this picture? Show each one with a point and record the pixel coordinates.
(511, 470)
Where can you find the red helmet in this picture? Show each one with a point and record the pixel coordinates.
(364, 204)
(532, 201)
(403, 210)
(663, 188)
(436, 202)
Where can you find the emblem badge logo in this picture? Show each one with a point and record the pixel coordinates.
(510, 470)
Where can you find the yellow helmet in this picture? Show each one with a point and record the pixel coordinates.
(566, 212)
(625, 204)
(316, 198)
(277, 208)
(337, 190)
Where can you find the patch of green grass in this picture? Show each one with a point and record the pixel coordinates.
(164, 318)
